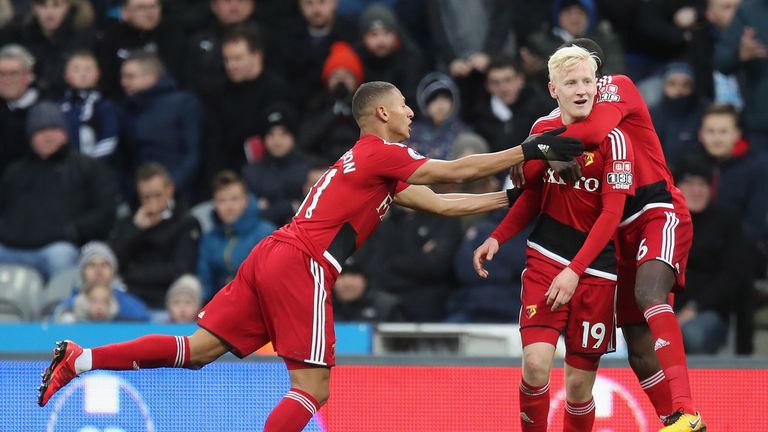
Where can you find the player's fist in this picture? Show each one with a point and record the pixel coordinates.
(550, 146)
(483, 253)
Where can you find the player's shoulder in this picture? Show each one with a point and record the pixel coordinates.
(547, 122)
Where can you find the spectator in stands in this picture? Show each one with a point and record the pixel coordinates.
(439, 123)
(93, 121)
(17, 95)
(98, 266)
(353, 300)
(52, 199)
(740, 185)
(509, 106)
(714, 85)
(497, 298)
(677, 116)
(328, 127)
(237, 227)
(387, 53)
(743, 49)
(159, 242)
(571, 19)
(205, 72)
(411, 258)
(304, 44)
(719, 273)
(665, 30)
(6, 13)
(466, 34)
(278, 178)
(95, 303)
(161, 123)
(249, 91)
(141, 27)
(55, 29)
(184, 300)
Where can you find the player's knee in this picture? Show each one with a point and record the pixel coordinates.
(536, 370)
(654, 282)
(578, 388)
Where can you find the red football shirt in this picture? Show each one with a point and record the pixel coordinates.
(348, 202)
(619, 104)
(572, 229)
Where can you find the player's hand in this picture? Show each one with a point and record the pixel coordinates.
(516, 175)
(568, 171)
(550, 146)
(562, 288)
(483, 253)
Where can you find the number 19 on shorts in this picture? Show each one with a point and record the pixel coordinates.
(594, 331)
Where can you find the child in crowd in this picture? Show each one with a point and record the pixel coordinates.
(92, 121)
(184, 299)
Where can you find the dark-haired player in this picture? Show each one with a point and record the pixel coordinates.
(281, 292)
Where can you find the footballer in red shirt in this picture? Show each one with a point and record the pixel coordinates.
(569, 281)
(655, 236)
(281, 292)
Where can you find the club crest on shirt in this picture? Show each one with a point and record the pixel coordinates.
(589, 158)
(530, 311)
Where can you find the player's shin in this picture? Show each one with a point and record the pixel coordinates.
(153, 351)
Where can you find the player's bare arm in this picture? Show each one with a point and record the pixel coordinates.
(547, 146)
(425, 199)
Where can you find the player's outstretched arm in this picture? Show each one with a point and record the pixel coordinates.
(425, 199)
(547, 146)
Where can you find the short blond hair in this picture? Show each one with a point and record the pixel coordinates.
(567, 58)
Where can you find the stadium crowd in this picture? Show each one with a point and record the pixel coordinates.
(146, 146)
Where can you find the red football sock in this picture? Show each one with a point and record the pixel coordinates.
(657, 389)
(153, 351)
(292, 413)
(579, 416)
(534, 407)
(671, 353)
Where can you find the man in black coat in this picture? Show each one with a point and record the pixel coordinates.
(141, 27)
(159, 242)
(232, 136)
(504, 116)
(53, 200)
(17, 95)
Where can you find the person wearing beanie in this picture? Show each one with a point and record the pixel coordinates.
(677, 116)
(98, 267)
(439, 124)
(53, 199)
(277, 179)
(328, 126)
(387, 53)
(719, 275)
(184, 299)
(571, 19)
(234, 116)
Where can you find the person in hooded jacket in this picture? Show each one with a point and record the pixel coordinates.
(237, 227)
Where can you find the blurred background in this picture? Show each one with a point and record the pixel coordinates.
(146, 146)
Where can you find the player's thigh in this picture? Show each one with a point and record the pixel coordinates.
(294, 290)
(538, 323)
(234, 315)
(591, 327)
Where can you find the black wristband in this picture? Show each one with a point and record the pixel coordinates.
(512, 195)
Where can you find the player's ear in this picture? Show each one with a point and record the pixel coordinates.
(551, 88)
(382, 114)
